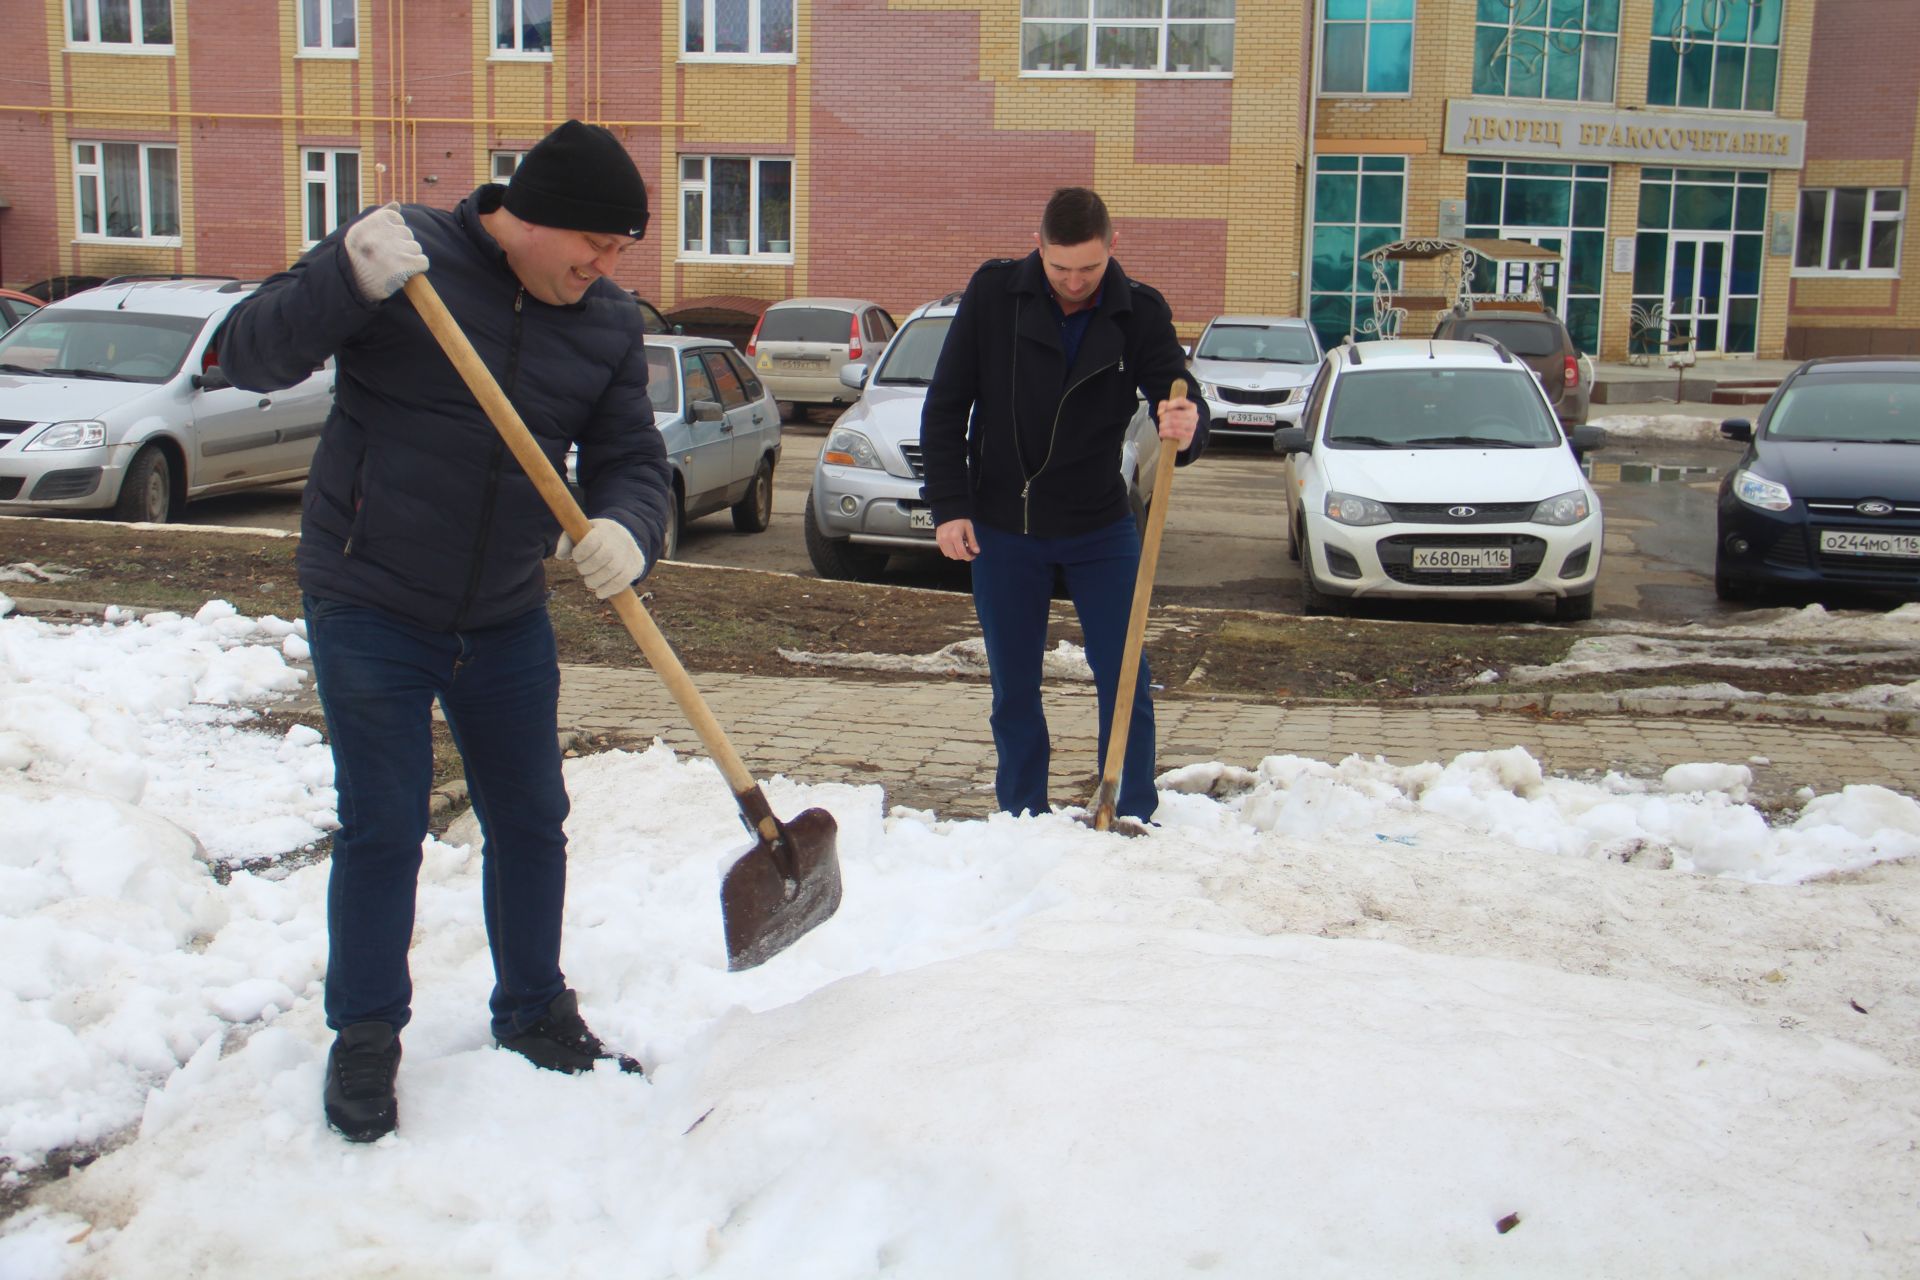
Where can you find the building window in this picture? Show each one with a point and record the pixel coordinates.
(1562, 207)
(1127, 37)
(736, 207)
(1851, 231)
(504, 163)
(333, 190)
(737, 28)
(1534, 49)
(121, 24)
(1698, 253)
(523, 26)
(328, 26)
(1367, 47)
(127, 191)
(1359, 203)
(1720, 54)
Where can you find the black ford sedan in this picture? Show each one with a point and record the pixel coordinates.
(1826, 499)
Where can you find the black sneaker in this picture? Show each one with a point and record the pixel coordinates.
(360, 1071)
(561, 1042)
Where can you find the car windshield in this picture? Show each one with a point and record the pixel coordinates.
(806, 324)
(1522, 337)
(1881, 408)
(1257, 344)
(122, 346)
(910, 360)
(1440, 409)
(662, 387)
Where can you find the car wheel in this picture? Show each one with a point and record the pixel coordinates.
(670, 545)
(1293, 541)
(1573, 608)
(838, 557)
(1312, 599)
(754, 512)
(147, 492)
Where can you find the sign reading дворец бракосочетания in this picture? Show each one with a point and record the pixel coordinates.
(1694, 139)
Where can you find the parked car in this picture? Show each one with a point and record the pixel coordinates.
(1254, 371)
(722, 429)
(1434, 470)
(16, 306)
(798, 346)
(651, 319)
(1540, 338)
(865, 502)
(112, 400)
(1826, 499)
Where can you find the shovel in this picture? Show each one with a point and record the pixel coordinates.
(789, 881)
(1109, 789)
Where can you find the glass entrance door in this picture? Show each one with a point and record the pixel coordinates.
(1697, 270)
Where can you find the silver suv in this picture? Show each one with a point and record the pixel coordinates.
(865, 502)
(112, 400)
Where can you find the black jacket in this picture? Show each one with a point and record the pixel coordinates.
(1013, 439)
(414, 505)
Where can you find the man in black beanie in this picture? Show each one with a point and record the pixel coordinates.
(420, 563)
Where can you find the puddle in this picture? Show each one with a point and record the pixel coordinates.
(1645, 472)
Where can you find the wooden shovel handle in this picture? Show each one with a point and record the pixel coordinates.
(1123, 693)
(639, 623)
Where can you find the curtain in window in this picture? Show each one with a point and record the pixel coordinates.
(732, 199)
(120, 179)
(776, 26)
(163, 191)
(157, 21)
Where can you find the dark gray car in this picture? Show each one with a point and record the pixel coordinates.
(1540, 339)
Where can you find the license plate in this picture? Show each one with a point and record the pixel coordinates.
(802, 366)
(1461, 559)
(920, 519)
(1840, 542)
(1244, 419)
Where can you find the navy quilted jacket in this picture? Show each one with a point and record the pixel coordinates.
(414, 504)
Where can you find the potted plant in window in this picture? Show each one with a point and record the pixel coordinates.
(776, 222)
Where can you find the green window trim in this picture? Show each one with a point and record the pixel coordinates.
(1720, 55)
(1366, 47)
(1359, 204)
(1559, 50)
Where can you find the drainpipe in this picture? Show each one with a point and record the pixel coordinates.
(1311, 70)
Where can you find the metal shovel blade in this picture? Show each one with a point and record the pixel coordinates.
(781, 888)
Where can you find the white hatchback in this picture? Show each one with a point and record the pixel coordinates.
(1437, 471)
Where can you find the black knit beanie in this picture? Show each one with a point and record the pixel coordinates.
(580, 178)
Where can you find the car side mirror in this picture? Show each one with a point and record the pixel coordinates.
(679, 328)
(1737, 429)
(706, 411)
(853, 375)
(1586, 439)
(1186, 350)
(214, 379)
(1290, 440)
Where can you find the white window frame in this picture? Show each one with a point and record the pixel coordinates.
(1875, 217)
(1366, 53)
(94, 172)
(502, 165)
(1094, 22)
(702, 187)
(89, 40)
(329, 11)
(755, 54)
(516, 53)
(327, 179)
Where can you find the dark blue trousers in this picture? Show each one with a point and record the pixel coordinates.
(1012, 590)
(378, 678)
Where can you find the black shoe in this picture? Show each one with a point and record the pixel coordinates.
(360, 1071)
(561, 1042)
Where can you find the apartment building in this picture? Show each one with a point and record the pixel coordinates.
(1253, 151)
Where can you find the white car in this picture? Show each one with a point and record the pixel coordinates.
(865, 502)
(112, 401)
(1431, 470)
(1254, 371)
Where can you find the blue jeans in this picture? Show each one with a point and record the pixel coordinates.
(1012, 591)
(378, 677)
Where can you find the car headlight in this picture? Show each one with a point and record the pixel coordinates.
(848, 448)
(1565, 508)
(1345, 508)
(1210, 390)
(71, 435)
(1758, 491)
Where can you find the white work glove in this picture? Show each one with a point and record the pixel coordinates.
(608, 558)
(383, 253)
